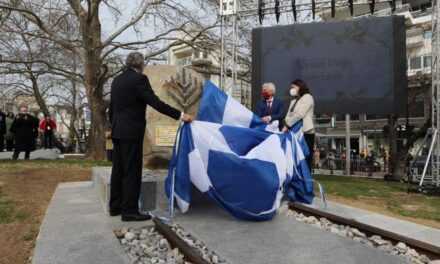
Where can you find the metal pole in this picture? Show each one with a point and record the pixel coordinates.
(434, 153)
(234, 56)
(347, 144)
(222, 52)
(431, 148)
(173, 175)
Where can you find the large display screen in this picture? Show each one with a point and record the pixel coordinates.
(356, 66)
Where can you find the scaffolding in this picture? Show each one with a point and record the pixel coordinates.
(432, 177)
(233, 11)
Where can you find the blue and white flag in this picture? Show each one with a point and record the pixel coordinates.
(229, 155)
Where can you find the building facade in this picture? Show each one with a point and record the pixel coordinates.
(367, 131)
(205, 58)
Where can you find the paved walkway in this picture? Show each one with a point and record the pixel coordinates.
(39, 154)
(282, 240)
(76, 229)
(420, 232)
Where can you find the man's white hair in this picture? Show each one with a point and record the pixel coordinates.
(135, 60)
(270, 86)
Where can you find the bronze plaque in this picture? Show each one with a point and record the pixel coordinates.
(165, 135)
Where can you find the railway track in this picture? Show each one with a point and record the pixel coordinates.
(194, 256)
(190, 253)
(430, 250)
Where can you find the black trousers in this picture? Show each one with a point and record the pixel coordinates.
(2, 142)
(27, 154)
(9, 144)
(48, 139)
(109, 155)
(310, 140)
(126, 178)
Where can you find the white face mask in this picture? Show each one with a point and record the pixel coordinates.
(293, 92)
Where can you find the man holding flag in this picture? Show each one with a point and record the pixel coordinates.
(131, 92)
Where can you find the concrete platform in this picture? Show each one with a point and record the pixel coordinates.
(420, 232)
(282, 240)
(152, 189)
(39, 154)
(76, 229)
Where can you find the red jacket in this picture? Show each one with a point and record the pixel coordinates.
(48, 125)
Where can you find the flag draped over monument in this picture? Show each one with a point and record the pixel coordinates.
(230, 155)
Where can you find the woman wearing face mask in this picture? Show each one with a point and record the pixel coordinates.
(302, 108)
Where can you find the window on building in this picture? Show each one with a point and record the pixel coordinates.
(427, 61)
(417, 107)
(415, 63)
(185, 61)
(427, 34)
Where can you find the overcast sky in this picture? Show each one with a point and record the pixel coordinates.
(128, 9)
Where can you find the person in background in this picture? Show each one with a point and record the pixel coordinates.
(24, 128)
(316, 158)
(270, 109)
(331, 159)
(109, 144)
(47, 128)
(2, 130)
(131, 92)
(302, 108)
(9, 135)
(386, 158)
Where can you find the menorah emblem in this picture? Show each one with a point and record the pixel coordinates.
(185, 90)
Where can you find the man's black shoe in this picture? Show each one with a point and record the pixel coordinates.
(135, 217)
(114, 212)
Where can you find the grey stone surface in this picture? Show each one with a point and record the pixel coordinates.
(39, 154)
(281, 241)
(405, 228)
(152, 189)
(76, 229)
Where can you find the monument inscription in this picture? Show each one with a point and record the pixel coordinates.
(165, 135)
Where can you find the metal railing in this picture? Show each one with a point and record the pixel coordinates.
(358, 166)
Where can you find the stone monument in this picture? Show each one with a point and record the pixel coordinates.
(180, 88)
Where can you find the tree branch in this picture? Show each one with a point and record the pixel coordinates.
(132, 21)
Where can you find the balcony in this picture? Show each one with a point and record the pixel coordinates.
(415, 41)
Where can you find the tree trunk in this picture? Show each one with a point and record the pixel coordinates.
(38, 98)
(394, 170)
(95, 79)
(96, 142)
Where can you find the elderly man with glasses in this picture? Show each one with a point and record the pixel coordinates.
(270, 109)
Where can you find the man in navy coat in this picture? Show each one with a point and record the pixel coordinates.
(270, 109)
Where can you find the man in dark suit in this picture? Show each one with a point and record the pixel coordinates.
(131, 92)
(270, 109)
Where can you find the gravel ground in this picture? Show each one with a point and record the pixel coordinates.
(207, 254)
(147, 246)
(399, 249)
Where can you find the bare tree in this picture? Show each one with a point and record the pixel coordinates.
(99, 55)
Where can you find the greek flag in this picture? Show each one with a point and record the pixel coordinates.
(234, 158)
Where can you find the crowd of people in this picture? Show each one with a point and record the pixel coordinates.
(20, 133)
(363, 161)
